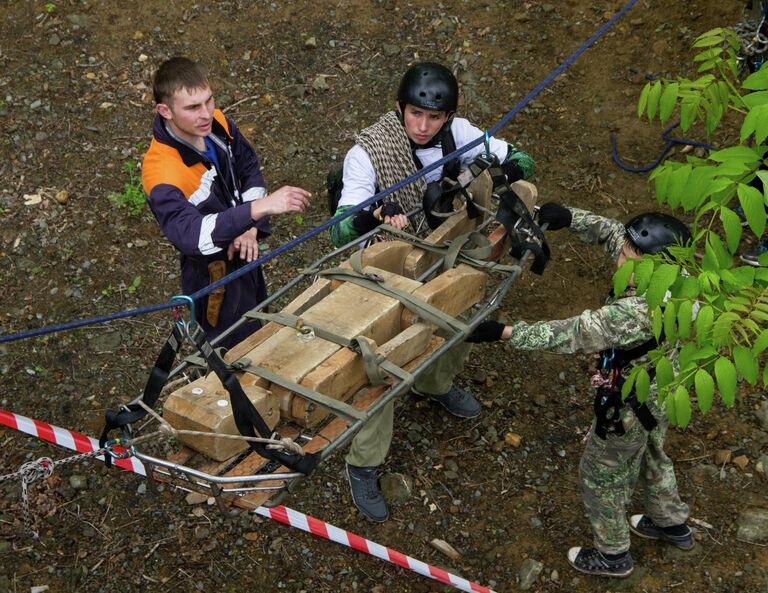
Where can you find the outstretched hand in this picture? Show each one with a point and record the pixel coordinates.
(488, 331)
(555, 216)
(281, 201)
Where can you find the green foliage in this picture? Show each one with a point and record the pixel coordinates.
(50, 7)
(712, 311)
(132, 197)
(134, 285)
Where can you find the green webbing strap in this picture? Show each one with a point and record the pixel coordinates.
(421, 308)
(375, 363)
(339, 408)
(297, 323)
(473, 256)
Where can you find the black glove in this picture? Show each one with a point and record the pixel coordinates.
(364, 221)
(556, 216)
(391, 209)
(512, 170)
(487, 331)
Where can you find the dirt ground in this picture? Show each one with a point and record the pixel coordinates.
(300, 78)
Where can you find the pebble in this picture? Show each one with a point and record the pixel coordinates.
(396, 487)
(78, 482)
(762, 415)
(54, 39)
(753, 525)
(196, 498)
(529, 573)
(35, 104)
(310, 43)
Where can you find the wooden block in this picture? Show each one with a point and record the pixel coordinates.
(499, 243)
(204, 406)
(417, 262)
(481, 190)
(316, 291)
(344, 373)
(527, 192)
(376, 316)
(386, 255)
(454, 291)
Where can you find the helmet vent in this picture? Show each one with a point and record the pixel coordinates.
(644, 233)
(422, 94)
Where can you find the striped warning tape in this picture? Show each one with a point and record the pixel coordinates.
(349, 539)
(69, 439)
(81, 443)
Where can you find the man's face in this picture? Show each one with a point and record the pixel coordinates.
(190, 113)
(421, 125)
(629, 252)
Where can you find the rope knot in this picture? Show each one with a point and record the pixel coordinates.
(35, 471)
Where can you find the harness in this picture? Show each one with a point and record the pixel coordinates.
(608, 381)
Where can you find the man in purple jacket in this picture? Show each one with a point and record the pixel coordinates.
(204, 185)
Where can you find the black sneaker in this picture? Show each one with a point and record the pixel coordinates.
(753, 257)
(592, 561)
(643, 526)
(364, 485)
(457, 401)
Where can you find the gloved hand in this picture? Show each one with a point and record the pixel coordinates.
(391, 209)
(487, 331)
(556, 216)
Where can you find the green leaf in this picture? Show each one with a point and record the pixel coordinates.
(668, 101)
(687, 356)
(724, 258)
(653, 99)
(761, 130)
(751, 200)
(643, 272)
(757, 81)
(732, 226)
(705, 390)
(761, 343)
(626, 389)
(670, 410)
(721, 330)
(756, 99)
(657, 320)
(622, 275)
(670, 322)
(665, 374)
(684, 317)
(708, 41)
(663, 277)
(641, 104)
(682, 406)
(678, 181)
(642, 385)
(725, 374)
(740, 154)
(746, 363)
(688, 112)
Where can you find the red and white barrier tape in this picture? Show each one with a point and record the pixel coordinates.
(69, 439)
(349, 539)
(84, 444)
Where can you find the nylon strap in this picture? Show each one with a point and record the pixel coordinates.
(297, 323)
(158, 376)
(472, 256)
(247, 417)
(418, 306)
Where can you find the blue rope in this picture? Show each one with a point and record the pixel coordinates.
(336, 219)
(670, 143)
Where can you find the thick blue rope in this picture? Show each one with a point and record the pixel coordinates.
(670, 143)
(336, 219)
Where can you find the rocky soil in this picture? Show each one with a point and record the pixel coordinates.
(299, 78)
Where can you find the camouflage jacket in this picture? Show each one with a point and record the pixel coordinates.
(623, 322)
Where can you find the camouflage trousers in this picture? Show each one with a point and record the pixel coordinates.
(611, 468)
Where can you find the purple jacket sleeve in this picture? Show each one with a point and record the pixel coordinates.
(248, 170)
(192, 232)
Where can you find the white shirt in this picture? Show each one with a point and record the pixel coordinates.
(360, 176)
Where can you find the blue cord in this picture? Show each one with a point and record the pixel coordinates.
(347, 213)
(670, 143)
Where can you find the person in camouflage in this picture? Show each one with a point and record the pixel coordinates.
(612, 465)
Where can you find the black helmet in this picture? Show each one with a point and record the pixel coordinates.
(429, 86)
(653, 232)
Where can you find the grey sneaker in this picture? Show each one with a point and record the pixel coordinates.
(753, 257)
(364, 485)
(457, 401)
(644, 526)
(592, 561)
